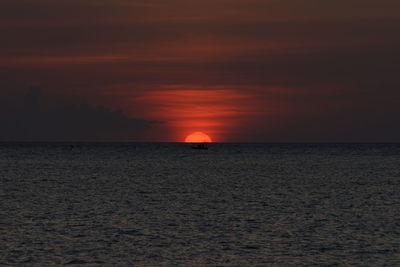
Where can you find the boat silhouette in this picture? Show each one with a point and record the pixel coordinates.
(199, 146)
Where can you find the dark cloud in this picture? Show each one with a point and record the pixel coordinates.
(79, 122)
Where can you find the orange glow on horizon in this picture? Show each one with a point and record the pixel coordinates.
(198, 137)
(184, 109)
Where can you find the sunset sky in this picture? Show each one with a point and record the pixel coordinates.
(238, 70)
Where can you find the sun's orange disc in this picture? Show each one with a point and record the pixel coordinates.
(198, 137)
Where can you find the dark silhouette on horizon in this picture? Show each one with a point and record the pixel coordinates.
(73, 122)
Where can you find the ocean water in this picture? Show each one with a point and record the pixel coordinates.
(169, 205)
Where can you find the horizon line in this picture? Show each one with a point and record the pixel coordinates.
(182, 142)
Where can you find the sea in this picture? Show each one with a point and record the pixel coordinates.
(166, 204)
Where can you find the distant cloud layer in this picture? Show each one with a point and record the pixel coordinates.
(305, 70)
(79, 122)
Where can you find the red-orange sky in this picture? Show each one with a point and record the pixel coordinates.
(241, 71)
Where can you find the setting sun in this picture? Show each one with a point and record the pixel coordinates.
(198, 137)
